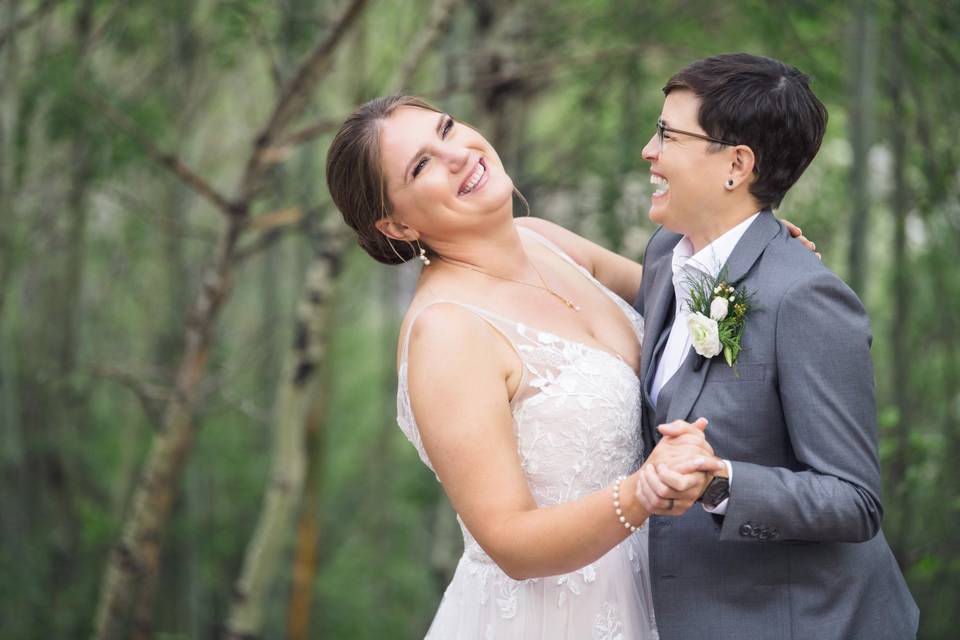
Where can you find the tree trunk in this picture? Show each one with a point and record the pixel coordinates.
(861, 139)
(307, 545)
(900, 323)
(246, 617)
(177, 200)
(299, 385)
(9, 64)
(64, 409)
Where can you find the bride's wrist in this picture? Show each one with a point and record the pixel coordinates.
(627, 508)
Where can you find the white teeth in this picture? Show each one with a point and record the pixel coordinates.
(661, 182)
(474, 179)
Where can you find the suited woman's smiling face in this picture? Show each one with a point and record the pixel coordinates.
(440, 173)
(689, 175)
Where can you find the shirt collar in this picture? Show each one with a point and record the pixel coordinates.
(712, 257)
(709, 260)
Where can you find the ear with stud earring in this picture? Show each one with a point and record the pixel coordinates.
(729, 183)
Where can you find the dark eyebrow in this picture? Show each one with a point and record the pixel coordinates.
(423, 149)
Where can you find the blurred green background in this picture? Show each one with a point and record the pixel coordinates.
(197, 384)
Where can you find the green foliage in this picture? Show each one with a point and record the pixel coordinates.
(577, 96)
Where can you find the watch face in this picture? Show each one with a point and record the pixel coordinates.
(717, 491)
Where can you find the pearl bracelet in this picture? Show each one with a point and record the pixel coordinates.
(616, 505)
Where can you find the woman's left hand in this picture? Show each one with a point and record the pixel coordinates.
(797, 233)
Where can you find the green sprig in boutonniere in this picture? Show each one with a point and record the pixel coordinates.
(717, 314)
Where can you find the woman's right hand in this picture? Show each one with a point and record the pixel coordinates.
(677, 470)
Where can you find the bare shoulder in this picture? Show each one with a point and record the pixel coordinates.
(578, 248)
(447, 334)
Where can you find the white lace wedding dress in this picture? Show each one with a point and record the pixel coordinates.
(576, 415)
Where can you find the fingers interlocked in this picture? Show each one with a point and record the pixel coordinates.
(678, 469)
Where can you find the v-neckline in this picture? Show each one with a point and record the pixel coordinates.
(579, 268)
(611, 353)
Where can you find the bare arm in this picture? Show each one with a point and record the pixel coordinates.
(458, 372)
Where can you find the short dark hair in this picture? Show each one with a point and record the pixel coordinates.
(764, 104)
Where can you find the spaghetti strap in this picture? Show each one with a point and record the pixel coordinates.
(553, 247)
(499, 323)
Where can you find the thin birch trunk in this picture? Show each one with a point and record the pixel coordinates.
(307, 545)
(300, 383)
(899, 325)
(263, 554)
(168, 342)
(9, 64)
(861, 139)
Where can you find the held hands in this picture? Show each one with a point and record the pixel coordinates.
(678, 469)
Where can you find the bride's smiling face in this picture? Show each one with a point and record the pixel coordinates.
(440, 173)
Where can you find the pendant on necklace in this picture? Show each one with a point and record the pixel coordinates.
(567, 301)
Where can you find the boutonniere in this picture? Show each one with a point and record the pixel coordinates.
(718, 311)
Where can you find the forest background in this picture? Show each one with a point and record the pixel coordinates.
(197, 375)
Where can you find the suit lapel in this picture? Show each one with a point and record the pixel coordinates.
(689, 383)
(658, 310)
(751, 245)
(694, 367)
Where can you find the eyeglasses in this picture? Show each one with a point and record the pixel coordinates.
(662, 128)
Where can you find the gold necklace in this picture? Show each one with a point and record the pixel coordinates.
(567, 301)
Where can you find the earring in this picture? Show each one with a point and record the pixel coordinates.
(730, 183)
(395, 252)
(422, 253)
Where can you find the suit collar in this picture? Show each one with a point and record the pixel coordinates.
(754, 240)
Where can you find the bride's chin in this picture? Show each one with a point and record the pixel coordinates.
(498, 198)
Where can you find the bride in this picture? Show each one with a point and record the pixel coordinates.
(518, 386)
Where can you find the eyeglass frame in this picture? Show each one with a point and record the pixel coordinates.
(663, 128)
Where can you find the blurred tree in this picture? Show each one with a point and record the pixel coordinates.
(135, 315)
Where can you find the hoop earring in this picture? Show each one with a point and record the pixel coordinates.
(421, 252)
(395, 252)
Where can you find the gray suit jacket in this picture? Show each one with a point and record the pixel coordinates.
(799, 553)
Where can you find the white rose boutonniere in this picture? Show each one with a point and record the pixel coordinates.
(718, 311)
(719, 308)
(705, 334)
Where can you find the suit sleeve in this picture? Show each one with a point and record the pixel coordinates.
(826, 386)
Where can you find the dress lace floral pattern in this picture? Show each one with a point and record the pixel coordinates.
(576, 417)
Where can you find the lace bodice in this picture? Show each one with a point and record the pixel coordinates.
(576, 413)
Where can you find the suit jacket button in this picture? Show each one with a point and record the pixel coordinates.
(756, 532)
(746, 530)
(774, 534)
(764, 533)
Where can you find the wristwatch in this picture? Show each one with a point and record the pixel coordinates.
(718, 490)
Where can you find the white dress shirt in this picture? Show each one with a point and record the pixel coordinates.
(709, 260)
